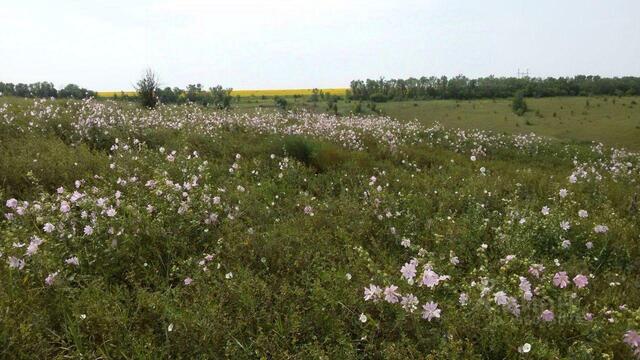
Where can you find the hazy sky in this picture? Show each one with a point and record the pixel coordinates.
(243, 44)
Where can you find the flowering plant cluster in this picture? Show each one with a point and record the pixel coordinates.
(199, 233)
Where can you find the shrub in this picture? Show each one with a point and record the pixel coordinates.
(147, 89)
(519, 105)
(281, 103)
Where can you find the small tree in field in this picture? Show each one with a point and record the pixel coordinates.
(147, 89)
(518, 105)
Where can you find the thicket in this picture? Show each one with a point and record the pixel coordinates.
(461, 87)
(44, 89)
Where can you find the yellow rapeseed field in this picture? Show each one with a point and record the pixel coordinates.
(246, 93)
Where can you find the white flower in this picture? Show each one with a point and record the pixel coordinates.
(409, 303)
(564, 225)
(545, 210)
(88, 230)
(73, 261)
(111, 212)
(500, 298)
(405, 242)
(463, 299)
(601, 229)
(170, 327)
(524, 348)
(563, 193)
(363, 318)
(308, 210)
(583, 213)
(348, 276)
(228, 275)
(15, 263)
(48, 227)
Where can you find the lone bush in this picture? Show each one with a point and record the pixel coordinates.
(147, 89)
(519, 105)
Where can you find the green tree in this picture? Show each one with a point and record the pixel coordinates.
(519, 105)
(147, 89)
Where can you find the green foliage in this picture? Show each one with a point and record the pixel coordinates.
(281, 103)
(30, 163)
(147, 88)
(519, 105)
(461, 87)
(296, 289)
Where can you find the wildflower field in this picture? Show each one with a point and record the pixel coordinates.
(183, 232)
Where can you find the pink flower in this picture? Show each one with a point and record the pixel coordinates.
(65, 207)
(580, 281)
(588, 316)
(188, 281)
(408, 270)
(547, 315)
(561, 279)
(51, 278)
(33, 245)
(48, 227)
(632, 338)
(391, 294)
(525, 286)
(430, 278)
(372, 293)
(88, 230)
(12, 203)
(536, 270)
(430, 311)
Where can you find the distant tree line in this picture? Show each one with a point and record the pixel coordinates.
(45, 90)
(216, 96)
(461, 87)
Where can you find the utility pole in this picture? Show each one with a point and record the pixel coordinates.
(522, 74)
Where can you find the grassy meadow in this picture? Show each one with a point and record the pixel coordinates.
(614, 121)
(435, 229)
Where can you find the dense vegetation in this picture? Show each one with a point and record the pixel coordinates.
(45, 90)
(182, 232)
(461, 87)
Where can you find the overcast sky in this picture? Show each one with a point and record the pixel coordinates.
(106, 45)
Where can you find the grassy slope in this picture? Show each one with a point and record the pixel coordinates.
(290, 296)
(613, 121)
(615, 124)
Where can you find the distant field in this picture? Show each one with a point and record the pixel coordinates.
(247, 93)
(613, 121)
(287, 92)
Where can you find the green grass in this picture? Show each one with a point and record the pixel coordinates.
(301, 227)
(614, 121)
